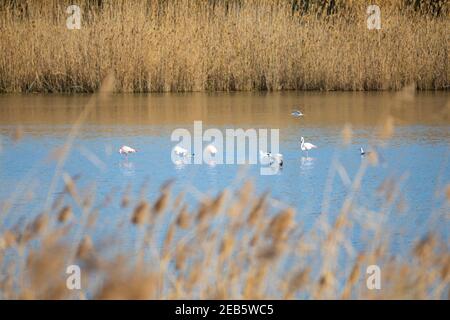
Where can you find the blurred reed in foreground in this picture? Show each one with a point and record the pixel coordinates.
(236, 245)
(186, 45)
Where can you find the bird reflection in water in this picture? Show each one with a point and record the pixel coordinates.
(307, 163)
(127, 167)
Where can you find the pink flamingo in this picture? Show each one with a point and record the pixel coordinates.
(306, 146)
(126, 150)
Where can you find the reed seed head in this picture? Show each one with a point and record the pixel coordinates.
(141, 213)
(65, 214)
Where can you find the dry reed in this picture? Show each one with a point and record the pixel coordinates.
(189, 45)
(240, 242)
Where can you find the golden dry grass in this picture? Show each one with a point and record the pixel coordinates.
(186, 45)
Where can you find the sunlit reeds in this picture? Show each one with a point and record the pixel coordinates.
(187, 45)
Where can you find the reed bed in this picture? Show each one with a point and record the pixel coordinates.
(186, 45)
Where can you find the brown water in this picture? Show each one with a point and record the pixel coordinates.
(321, 109)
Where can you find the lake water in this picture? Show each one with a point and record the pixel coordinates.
(417, 151)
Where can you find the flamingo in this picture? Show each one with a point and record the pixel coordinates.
(211, 149)
(265, 157)
(278, 158)
(297, 113)
(180, 151)
(126, 150)
(306, 146)
(269, 158)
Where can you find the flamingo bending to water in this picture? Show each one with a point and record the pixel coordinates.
(180, 151)
(126, 150)
(278, 158)
(265, 157)
(269, 158)
(211, 149)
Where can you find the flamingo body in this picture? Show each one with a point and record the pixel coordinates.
(126, 150)
(180, 151)
(306, 146)
(265, 157)
(269, 158)
(211, 149)
(278, 158)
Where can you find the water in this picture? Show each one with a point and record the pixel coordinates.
(418, 152)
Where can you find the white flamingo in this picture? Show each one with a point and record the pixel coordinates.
(126, 150)
(180, 151)
(269, 158)
(278, 158)
(306, 146)
(265, 157)
(211, 149)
